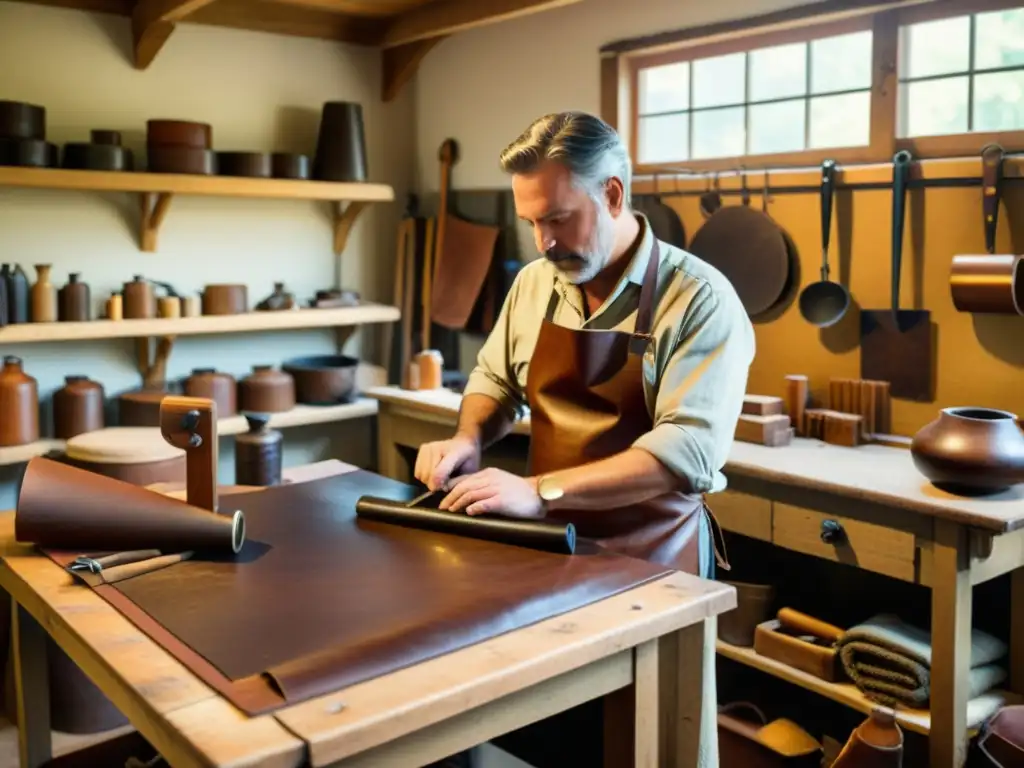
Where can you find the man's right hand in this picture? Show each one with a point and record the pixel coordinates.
(438, 462)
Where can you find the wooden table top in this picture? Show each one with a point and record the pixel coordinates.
(192, 725)
(874, 473)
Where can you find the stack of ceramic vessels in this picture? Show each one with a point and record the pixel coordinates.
(103, 152)
(23, 136)
(180, 146)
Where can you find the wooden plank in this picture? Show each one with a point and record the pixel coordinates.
(743, 513)
(248, 322)
(145, 682)
(919, 721)
(183, 184)
(373, 713)
(446, 17)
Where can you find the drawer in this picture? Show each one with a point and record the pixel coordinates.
(888, 551)
(742, 513)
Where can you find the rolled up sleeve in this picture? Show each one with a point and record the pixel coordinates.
(699, 394)
(494, 374)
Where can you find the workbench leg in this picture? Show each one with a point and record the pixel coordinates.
(1017, 631)
(951, 646)
(683, 660)
(31, 688)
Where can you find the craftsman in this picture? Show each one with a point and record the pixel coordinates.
(632, 356)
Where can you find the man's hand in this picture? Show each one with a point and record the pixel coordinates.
(437, 462)
(493, 490)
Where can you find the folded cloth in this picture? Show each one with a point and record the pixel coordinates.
(890, 661)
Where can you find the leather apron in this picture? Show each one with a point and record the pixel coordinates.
(585, 390)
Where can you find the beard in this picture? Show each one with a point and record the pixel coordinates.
(579, 267)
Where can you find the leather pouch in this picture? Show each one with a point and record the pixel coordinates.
(747, 739)
(1002, 739)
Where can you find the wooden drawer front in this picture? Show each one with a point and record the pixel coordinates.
(872, 547)
(742, 513)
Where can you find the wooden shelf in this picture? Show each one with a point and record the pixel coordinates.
(63, 743)
(28, 333)
(299, 416)
(158, 189)
(917, 720)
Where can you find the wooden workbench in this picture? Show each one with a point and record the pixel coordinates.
(893, 521)
(642, 647)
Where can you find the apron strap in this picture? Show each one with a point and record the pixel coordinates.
(645, 309)
(717, 539)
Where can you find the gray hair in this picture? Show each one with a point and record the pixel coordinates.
(585, 144)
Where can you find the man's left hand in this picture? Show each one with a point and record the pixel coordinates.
(492, 490)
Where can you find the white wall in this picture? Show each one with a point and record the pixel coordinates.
(260, 92)
(484, 87)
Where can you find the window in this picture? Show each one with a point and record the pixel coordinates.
(939, 78)
(774, 99)
(962, 74)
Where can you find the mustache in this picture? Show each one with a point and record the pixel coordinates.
(560, 255)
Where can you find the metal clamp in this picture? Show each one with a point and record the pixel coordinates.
(89, 564)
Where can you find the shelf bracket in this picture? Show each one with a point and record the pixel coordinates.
(153, 368)
(341, 336)
(154, 209)
(400, 63)
(344, 219)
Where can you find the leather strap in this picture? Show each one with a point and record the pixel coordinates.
(991, 179)
(645, 309)
(717, 540)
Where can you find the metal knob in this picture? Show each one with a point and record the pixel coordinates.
(832, 532)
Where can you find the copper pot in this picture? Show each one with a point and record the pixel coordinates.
(970, 451)
(219, 387)
(19, 404)
(77, 407)
(225, 299)
(266, 391)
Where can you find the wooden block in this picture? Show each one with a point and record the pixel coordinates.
(843, 429)
(762, 405)
(764, 430)
(815, 422)
(867, 407)
(797, 389)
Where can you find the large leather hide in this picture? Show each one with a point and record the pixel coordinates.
(318, 600)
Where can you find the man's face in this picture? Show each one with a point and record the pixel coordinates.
(572, 230)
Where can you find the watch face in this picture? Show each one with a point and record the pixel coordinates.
(549, 490)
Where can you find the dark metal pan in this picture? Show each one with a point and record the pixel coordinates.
(825, 302)
(897, 344)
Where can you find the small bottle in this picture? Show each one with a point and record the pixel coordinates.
(115, 307)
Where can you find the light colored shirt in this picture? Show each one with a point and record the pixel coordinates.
(695, 369)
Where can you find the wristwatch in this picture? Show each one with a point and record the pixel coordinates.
(549, 489)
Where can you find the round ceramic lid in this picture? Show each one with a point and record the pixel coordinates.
(122, 445)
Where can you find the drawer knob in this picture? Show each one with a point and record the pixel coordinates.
(832, 532)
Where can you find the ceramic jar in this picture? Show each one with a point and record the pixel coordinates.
(219, 387)
(258, 453)
(77, 407)
(266, 390)
(971, 450)
(140, 408)
(44, 297)
(19, 305)
(139, 300)
(19, 404)
(74, 301)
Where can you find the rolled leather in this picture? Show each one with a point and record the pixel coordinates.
(548, 536)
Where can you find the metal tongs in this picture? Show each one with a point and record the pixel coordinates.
(97, 564)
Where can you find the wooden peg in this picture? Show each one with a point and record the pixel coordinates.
(190, 423)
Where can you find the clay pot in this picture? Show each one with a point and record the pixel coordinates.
(44, 297)
(77, 407)
(266, 391)
(971, 450)
(323, 379)
(258, 453)
(19, 404)
(74, 303)
(219, 387)
(139, 302)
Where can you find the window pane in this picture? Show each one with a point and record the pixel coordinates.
(778, 72)
(999, 39)
(719, 133)
(664, 139)
(936, 47)
(840, 121)
(999, 101)
(841, 63)
(719, 80)
(665, 89)
(777, 127)
(935, 107)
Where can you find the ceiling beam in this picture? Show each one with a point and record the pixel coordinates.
(153, 22)
(446, 17)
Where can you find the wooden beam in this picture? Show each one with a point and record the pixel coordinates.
(399, 64)
(287, 19)
(446, 17)
(153, 22)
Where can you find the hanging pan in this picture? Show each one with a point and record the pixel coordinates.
(896, 344)
(664, 221)
(825, 302)
(989, 284)
(746, 246)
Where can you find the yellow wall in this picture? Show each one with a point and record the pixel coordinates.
(260, 92)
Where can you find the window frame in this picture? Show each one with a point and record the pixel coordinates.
(620, 74)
